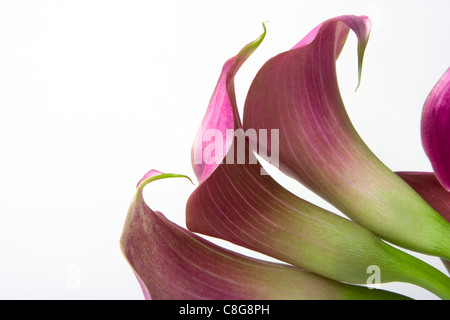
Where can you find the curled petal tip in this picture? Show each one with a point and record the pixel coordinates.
(362, 29)
(149, 174)
(156, 175)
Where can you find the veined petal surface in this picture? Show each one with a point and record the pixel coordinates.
(297, 93)
(172, 263)
(238, 204)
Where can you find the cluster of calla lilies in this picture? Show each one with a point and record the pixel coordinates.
(322, 255)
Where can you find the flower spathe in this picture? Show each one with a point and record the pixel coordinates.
(297, 92)
(172, 263)
(435, 129)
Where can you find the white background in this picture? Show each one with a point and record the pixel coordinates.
(93, 94)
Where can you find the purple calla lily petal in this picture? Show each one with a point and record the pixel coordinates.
(297, 93)
(220, 116)
(429, 187)
(172, 263)
(435, 129)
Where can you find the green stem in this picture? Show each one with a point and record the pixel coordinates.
(436, 282)
(420, 273)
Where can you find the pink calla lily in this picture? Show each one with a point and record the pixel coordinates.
(220, 117)
(172, 263)
(297, 92)
(435, 129)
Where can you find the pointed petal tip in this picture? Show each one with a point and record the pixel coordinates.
(366, 27)
(156, 175)
(361, 25)
(221, 115)
(149, 174)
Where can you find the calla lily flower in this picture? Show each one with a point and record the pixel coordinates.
(296, 92)
(235, 202)
(436, 129)
(430, 188)
(221, 118)
(172, 263)
(295, 98)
